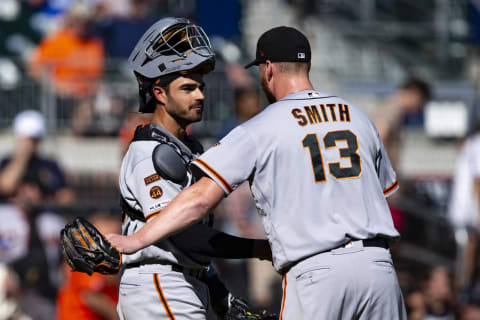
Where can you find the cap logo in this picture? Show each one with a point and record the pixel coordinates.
(261, 54)
(301, 55)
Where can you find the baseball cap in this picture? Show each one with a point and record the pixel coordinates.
(29, 123)
(282, 44)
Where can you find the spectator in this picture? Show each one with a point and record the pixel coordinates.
(415, 303)
(14, 233)
(72, 57)
(119, 33)
(90, 297)
(9, 293)
(29, 238)
(26, 175)
(127, 129)
(464, 209)
(439, 297)
(404, 107)
(247, 105)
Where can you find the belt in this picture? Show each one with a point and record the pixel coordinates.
(373, 242)
(193, 272)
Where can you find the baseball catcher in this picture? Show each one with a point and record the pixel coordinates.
(173, 279)
(86, 250)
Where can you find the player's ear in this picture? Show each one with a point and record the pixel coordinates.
(160, 94)
(268, 70)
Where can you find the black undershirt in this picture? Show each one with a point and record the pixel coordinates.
(201, 239)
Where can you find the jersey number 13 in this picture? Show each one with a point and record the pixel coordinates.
(330, 140)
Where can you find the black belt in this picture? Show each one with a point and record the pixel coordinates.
(376, 242)
(193, 272)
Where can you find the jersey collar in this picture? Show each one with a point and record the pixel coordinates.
(305, 94)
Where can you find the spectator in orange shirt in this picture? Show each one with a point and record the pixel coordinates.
(131, 122)
(92, 297)
(72, 58)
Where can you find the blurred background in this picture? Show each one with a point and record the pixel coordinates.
(68, 108)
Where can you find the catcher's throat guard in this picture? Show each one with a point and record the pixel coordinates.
(86, 250)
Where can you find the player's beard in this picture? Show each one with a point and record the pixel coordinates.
(185, 115)
(270, 97)
(198, 111)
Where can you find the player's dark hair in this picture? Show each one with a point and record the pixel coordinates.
(146, 86)
(418, 84)
(164, 82)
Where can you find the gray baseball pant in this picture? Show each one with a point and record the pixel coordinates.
(353, 282)
(157, 292)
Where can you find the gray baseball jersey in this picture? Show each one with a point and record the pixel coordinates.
(150, 288)
(318, 171)
(144, 190)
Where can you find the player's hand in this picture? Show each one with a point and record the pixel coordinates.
(124, 244)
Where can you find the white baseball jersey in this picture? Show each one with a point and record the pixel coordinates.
(318, 172)
(463, 208)
(144, 190)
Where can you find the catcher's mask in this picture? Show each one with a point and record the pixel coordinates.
(169, 48)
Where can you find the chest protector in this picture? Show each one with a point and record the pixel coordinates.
(170, 160)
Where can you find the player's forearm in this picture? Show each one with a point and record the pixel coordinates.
(187, 208)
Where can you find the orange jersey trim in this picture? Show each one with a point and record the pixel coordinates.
(389, 189)
(153, 214)
(284, 295)
(216, 174)
(162, 297)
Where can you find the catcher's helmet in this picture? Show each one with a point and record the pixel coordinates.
(171, 45)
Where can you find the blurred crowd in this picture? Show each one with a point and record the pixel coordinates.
(67, 48)
(72, 56)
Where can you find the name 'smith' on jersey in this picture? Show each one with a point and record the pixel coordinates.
(339, 173)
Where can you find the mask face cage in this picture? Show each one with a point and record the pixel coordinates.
(180, 40)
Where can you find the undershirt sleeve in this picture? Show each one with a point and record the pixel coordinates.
(201, 239)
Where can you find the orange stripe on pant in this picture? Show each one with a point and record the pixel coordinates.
(162, 297)
(284, 295)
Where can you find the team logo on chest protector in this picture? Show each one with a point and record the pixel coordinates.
(156, 192)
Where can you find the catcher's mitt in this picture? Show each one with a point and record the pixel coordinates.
(86, 250)
(240, 310)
